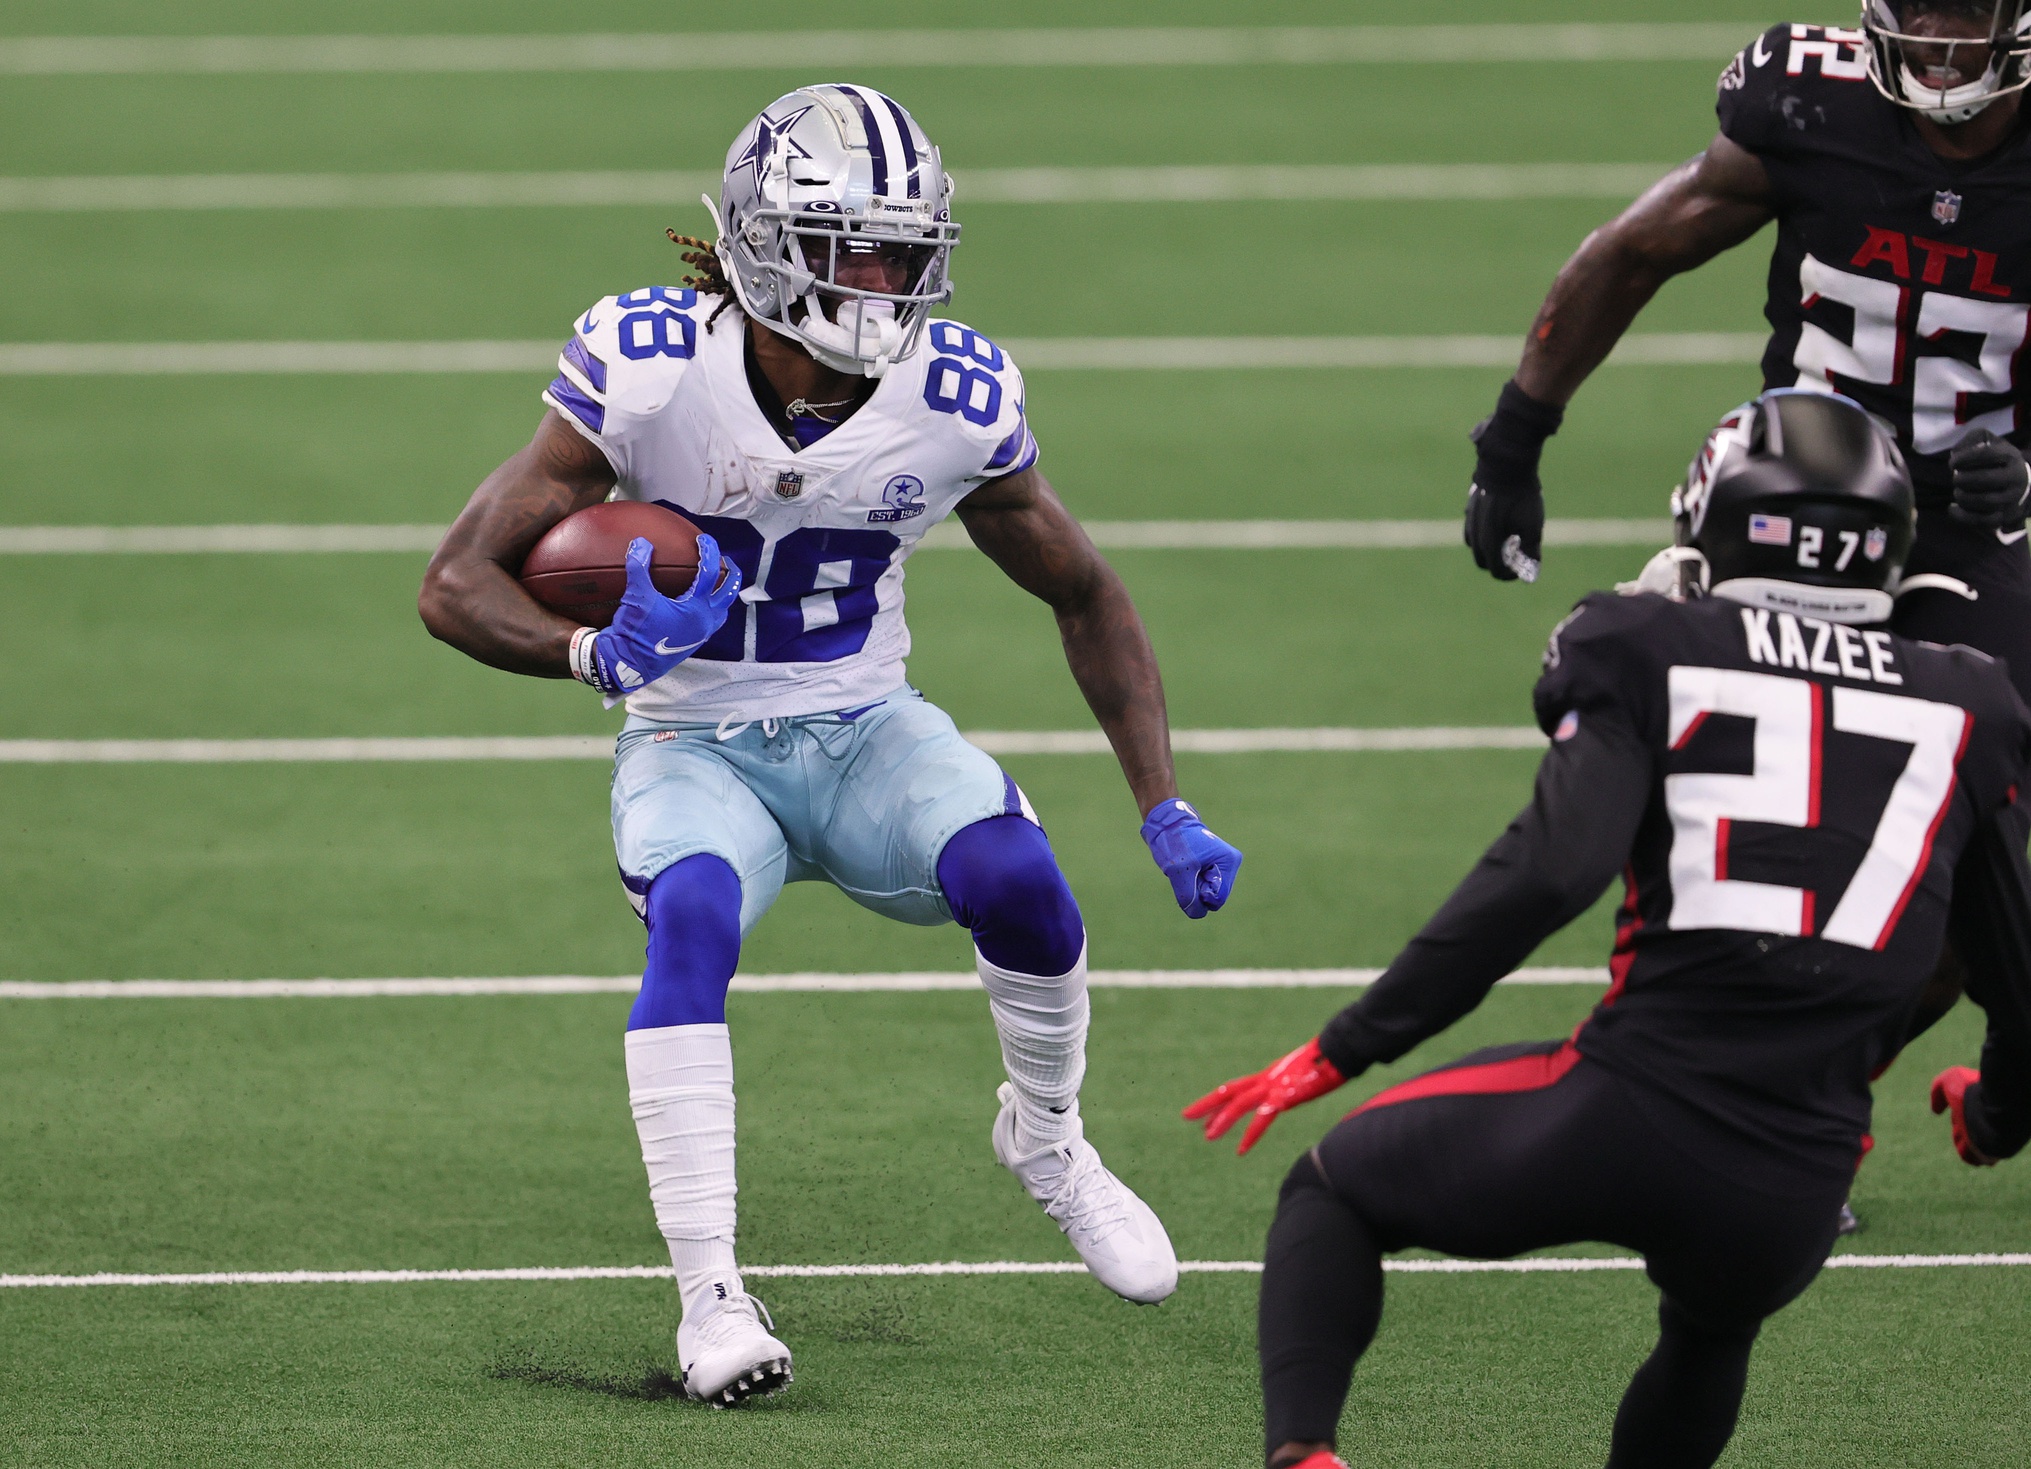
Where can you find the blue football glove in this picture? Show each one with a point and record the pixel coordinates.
(1201, 867)
(651, 633)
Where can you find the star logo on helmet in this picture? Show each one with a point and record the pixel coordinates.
(768, 133)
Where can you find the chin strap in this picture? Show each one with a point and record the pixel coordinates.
(868, 350)
(1677, 572)
(1951, 104)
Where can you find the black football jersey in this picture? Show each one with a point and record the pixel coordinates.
(1899, 278)
(1813, 787)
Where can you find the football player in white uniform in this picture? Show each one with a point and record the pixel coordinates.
(815, 420)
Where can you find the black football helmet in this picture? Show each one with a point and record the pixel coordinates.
(1985, 53)
(1801, 502)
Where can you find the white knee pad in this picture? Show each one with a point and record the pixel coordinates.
(1042, 1021)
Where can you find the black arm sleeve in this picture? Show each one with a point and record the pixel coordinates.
(1991, 926)
(1551, 864)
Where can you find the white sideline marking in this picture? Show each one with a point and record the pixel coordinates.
(809, 983)
(1540, 1265)
(1036, 354)
(774, 50)
(93, 540)
(601, 747)
(1153, 184)
(1111, 535)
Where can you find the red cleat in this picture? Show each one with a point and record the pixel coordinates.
(1949, 1093)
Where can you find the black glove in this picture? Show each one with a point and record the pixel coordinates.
(1990, 481)
(1505, 504)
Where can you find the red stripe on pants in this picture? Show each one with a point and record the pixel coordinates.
(1517, 1074)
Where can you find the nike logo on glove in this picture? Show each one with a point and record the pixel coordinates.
(667, 651)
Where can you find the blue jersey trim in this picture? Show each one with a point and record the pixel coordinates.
(580, 357)
(572, 399)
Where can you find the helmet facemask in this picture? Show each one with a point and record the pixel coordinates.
(1948, 60)
(835, 226)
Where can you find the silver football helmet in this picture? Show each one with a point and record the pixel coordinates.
(832, 188)
(1946, 75)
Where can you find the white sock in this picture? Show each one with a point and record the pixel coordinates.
(680, 1085)
(1042, 1021)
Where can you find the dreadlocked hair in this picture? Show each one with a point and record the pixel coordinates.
(711, 278)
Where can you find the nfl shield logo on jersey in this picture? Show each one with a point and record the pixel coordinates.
(789, 484)
(1946, 206)
(904, 497)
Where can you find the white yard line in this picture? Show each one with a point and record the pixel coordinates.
(906, 982)
(1112, 535)
(1093, 354)
(601, 747)
(1537, 1265)
(1159, 184)
(834, 50)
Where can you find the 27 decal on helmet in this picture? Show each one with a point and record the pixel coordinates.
(829, 180)
(1948, 59)
(1800, 502)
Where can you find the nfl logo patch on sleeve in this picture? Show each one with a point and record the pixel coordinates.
(1770, 530)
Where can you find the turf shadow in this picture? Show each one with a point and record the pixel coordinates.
(648, 1382)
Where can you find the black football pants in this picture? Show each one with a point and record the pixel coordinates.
(1517, 1148)
(1997, 622)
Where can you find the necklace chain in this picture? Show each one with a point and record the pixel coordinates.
(804, 408)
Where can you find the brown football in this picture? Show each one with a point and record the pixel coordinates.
(579, 568)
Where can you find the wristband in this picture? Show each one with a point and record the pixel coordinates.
(585, 667)
(1517, 429)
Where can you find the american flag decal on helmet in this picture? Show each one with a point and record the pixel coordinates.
(1770, 530)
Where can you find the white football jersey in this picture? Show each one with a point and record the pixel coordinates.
(821, 533)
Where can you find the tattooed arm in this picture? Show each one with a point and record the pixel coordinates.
(1710, 204)
(470, 597)
(1027, 531)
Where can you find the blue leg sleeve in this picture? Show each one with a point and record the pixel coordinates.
(694, 944)
(1002, 881)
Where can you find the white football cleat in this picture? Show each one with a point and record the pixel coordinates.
(729, 1356)
(1118, 1236)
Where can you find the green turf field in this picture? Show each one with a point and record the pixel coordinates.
(189, 1136)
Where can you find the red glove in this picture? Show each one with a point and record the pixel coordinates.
(1296, 1079)
(1950, 1089)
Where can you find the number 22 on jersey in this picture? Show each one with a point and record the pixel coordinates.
(1783, 788)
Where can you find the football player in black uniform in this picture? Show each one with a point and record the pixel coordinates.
(1802, 805)
(1896, 162)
